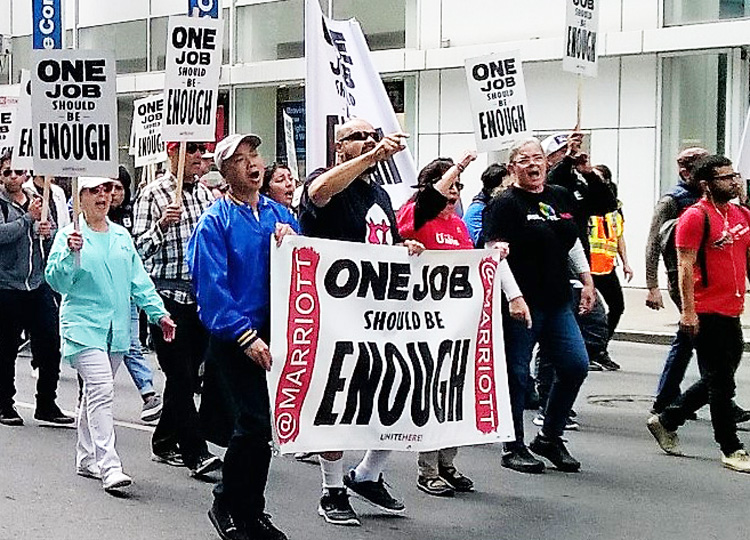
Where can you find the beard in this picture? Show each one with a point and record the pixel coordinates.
(722, 197)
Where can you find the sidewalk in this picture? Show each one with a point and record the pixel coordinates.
(642, 324)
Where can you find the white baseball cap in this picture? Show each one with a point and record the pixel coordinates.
(227, 147)
(89, 182)
(553, 143)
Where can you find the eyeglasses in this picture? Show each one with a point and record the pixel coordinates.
(734, 177)
(192, 148)
(458, 185)
(361, 136)
(526, 161)
(8, 172)
(101, 188)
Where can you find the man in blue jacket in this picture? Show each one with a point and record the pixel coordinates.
(229, 258)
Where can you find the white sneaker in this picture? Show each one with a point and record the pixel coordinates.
(738, 461)
(115, 481)
(668, 440)
(89, 471)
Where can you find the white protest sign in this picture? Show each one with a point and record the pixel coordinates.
(191, 85)
(23, 148)
(8, 113)
(148, 114)
(374, 349)
(342, 83)
(291, 149)
(74, 113)
(497, 92)
(581, 29)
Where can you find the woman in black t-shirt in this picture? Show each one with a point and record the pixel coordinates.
(536, 220)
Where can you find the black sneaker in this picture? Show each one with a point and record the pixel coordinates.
(555, 451)
(374, 493)
(594, 366)
(740, 414)
(606, 362)
(520, 459)
(261, 528)
(53, 416)
(455, 479)
(205, 465)
(334, 507)
(9, 416)
(170, 457)
(225, 524)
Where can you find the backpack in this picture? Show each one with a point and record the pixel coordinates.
(682, 199)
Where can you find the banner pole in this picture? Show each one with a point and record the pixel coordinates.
(76, 213)
(45, 198)
(579, 103)
(180, 171)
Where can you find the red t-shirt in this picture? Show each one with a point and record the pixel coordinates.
(726, 256)
(439, 233)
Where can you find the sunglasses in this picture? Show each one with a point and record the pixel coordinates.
(458, 185)
(361, 136)
(734, 177)
(8, 172)
(192, 148)
(101, 188)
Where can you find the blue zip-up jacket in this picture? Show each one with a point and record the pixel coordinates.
(229, 259)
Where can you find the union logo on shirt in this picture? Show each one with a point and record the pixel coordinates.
(378, 226)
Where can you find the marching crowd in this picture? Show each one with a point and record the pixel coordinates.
(196, 265)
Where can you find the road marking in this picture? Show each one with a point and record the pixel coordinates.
(130, 425)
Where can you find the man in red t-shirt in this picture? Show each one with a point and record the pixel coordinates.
(713, 237)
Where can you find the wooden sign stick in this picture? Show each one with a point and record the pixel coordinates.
(180, 171)
(45, 198)
(76, 213)
(579, 104)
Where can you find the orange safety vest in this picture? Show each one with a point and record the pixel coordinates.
(604, 232)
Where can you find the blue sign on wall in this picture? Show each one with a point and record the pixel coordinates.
(47, 24)
(206, 8)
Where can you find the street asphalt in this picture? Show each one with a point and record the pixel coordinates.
(627, 489)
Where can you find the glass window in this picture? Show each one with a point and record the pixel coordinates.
(20, 55)
(383, 28)
(128, 40)
(694, 98)
(677, 12)
(269, 31)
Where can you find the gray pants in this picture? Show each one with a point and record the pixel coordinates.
(428, 461)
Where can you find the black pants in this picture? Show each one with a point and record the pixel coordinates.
(719, 349)
(37, 313)
(609, 286)
(248, 456)
(180, 361)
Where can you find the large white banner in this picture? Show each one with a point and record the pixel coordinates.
(374, 349)
(191, 87)
(148, 115)
(23, 148)
(581, 29)
(74, 113)
(497, 92)
(341, 83)
(8, 112)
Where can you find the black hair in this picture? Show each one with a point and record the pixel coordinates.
(7, 156)
(434, 171)
(705, 167)
(605, 171)
(268, 175)
(493, 176)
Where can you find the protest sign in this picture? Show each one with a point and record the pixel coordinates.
(376, 349)
(192, 78)
(47, 24)
(203, 8)
(8, 113)
(148, 114)
(74, 113)
(291, 149)
(497, 92)
(581, 29)
(23, 148)
(342, 83)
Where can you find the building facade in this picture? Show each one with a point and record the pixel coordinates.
(672, 73)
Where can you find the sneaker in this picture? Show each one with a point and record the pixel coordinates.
(152, 406)
(9, 416)
(261, 528)
(170, 457)
(89, 471)
(435, 486)
(115, 481)
(334, 507)
(455, 479)
(667, 440)
(737, 461)
(225, 524)
(205, 465)
(374, 493)
(521, 460)
(594, 366)
(570, 424)
(740, 414)
(606, 362)
(306, 457)
(554, 450)
(53, 416)
(538, 419)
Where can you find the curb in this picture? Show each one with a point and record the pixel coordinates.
(655, 338)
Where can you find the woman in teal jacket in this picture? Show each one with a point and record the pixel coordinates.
(98, 271)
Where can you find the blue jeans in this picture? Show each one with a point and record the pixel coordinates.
(557, 332)
(137, 366)
(675, 366)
